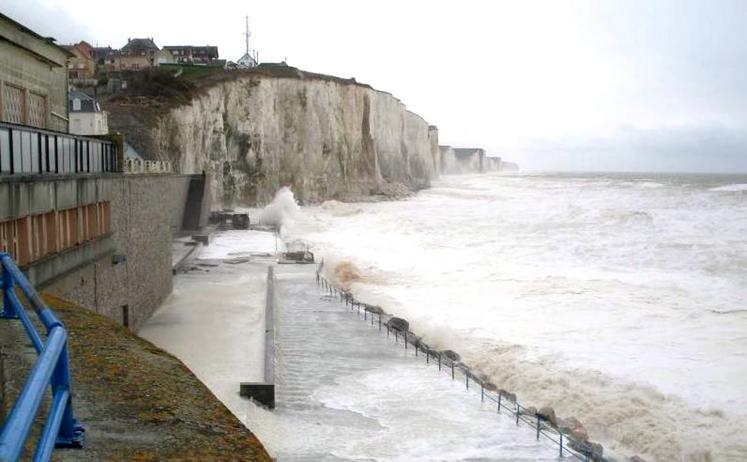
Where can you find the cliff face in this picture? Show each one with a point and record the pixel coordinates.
(492, 164)
(463, 160)
(325, 138)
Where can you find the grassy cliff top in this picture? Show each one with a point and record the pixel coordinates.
(166, 87)
(139, 403)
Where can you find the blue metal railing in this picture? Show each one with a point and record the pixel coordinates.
(51, 369)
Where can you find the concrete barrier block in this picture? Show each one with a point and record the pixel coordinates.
(262, 393)
(19, 200)
(86, 191)
(103, 190)
(6, 206)
(40, 197)
(66, 194)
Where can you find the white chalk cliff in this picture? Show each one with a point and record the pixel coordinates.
(324, 137)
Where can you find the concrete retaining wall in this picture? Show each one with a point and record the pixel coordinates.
(264, 392)
(131, 281)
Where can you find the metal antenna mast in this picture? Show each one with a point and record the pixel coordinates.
(247, 34)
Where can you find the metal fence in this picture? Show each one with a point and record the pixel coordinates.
(147, 166)
(50, 370)
(504, 402)
(31, 151)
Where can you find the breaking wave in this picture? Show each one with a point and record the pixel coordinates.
(282, 208)
(620, 306)
(731, 188)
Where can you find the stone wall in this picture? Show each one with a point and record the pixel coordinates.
(147, 210)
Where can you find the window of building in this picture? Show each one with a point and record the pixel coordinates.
(14, 104)
(37, 112)
(76, 104)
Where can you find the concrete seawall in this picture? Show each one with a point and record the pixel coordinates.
(102, 241)
(264, 392)
(147, 211)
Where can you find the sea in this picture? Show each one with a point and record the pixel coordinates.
(616, 298)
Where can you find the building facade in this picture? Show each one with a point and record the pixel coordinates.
(197, 55)
(247, 61)
(86, 116)
(82, 65)
(33, 78)
(141, 47)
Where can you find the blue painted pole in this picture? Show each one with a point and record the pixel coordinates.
(18, 424)
(52, 427)
(9, 311)
(70, 430)
(34, 336)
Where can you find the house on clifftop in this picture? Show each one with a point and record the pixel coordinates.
(82, 65)
(136, 55)
(195, 55)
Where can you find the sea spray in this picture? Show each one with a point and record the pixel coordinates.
(582, 293)
(282, 208)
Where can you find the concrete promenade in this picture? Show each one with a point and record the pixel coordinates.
(344, 392)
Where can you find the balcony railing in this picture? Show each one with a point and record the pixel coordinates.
(27, 150)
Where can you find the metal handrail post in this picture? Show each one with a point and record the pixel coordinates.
(9, 312)
(17, 426)
(70, 433)
(51, 369)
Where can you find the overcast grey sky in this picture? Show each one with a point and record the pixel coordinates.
(569, 85)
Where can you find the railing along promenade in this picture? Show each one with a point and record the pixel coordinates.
(506, 403)
(28, 150)
(50, 370)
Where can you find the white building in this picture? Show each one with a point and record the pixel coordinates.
(247, 61)
(86, 116)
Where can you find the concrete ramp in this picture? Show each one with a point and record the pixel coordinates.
(354, 395)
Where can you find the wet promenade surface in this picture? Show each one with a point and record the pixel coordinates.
(346, 392)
